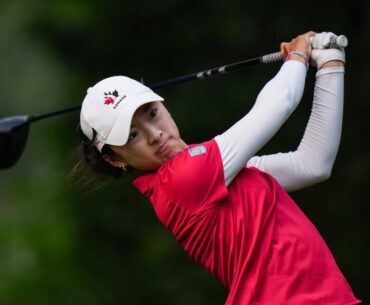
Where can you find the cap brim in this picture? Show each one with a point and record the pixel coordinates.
(119, 134)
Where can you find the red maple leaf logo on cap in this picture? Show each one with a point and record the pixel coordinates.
(110, 97)
(108, 100)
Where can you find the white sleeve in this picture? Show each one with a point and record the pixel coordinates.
(277, 100)
(313, 160)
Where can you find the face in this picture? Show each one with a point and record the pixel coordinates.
(154, 139)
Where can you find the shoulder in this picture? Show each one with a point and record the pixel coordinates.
(193, 177)
(195, 157)
(191, 165)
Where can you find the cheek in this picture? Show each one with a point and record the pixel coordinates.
(132, 155)
(138, 157)
(172, 127)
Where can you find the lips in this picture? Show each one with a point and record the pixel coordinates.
(163, 148)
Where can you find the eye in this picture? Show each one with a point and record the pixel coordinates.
(132, 135)
(153, 112)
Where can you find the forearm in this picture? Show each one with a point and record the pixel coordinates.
(312, 162)
(323, 132)
(274, 104)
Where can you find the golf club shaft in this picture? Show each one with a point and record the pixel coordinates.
(265, 59)
(35, 118)
(336, 42)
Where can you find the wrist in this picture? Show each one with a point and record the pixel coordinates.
(298, 56)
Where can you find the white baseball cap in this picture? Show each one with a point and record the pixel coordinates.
(109, 106)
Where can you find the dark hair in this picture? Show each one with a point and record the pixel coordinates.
(90, 162)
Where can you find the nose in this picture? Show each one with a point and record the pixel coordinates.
(154, 135)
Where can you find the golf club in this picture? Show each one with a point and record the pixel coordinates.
(14, 130)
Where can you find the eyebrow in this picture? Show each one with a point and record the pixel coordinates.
(145, 107)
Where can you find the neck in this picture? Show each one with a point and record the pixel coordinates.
(183, 145)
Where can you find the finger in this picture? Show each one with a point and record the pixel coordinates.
(310, 33)
(284, 49)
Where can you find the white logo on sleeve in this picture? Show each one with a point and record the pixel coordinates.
(197, 150)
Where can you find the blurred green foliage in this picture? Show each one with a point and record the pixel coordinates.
(61, 243)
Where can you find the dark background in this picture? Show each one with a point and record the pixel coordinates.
(61, 242)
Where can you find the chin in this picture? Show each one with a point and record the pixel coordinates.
(173, 153)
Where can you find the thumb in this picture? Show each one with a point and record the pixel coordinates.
(284, 49)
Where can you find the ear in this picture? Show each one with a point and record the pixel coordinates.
(113, 161)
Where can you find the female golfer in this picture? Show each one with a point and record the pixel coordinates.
(228, 208)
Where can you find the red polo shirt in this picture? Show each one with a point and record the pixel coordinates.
(250, 235)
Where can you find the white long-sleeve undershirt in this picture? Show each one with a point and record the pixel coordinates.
(313, 160)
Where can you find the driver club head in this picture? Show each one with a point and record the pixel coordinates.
(13, 138)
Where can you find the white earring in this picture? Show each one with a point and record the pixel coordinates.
(123, 167)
